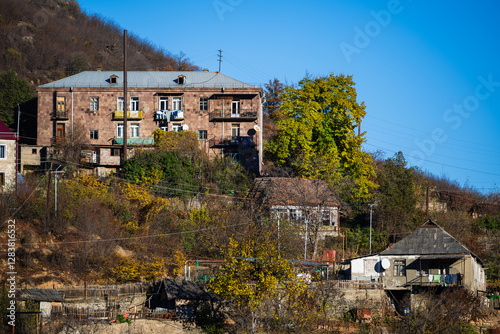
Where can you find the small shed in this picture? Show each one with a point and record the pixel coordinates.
(45, 297)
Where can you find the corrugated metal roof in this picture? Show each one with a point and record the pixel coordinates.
(429, 239)
(42, 295)
(149, 79)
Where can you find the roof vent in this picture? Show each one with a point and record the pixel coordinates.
(181, 80)
(113, 79)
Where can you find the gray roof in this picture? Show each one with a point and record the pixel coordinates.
(429, 239)
(149, 79)
(42, 295)
(187, 290)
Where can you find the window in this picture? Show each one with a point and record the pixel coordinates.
(2, 179)
(119, 103)
(33, 151)
(61, 103)
(399, 268)
(181, 79)
(163, 103)
(94, 134)
(235, 130)
(113, 79)
(235, 108)
(94, 103)
(134, 130)
(325, 217)
(60, 130)
(296, 214)
(115, 152)
(176, 103)
(3, 151)
(119, 130)
(134, 104)
(163, 126)
(203, 103)
(202, 134)
(176, 127)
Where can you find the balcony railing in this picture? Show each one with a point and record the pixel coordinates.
(60, 115)
(169, 115)
(443, 280)
(228, 116)
(231, 141)
(57, 140)
(131, 114)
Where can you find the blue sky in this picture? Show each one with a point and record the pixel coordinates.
(428, 72)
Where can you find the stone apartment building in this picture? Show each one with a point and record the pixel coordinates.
(225, 113)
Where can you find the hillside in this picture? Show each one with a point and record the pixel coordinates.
(45, 40)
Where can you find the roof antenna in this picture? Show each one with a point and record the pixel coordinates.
(220, 58)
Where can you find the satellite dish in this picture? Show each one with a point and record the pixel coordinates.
(386, 263)
(251, 132)
(256, 128)
(185, 127)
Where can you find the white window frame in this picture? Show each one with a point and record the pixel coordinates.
(134, 103)
(235, 130)
(235, 108)
(94, 103)
(119, 130)
(177, 127)
(163, 103)
(94, 134)
(3, 152)
(203, 103)
(176, 103)
(134, 130)
(119, 103)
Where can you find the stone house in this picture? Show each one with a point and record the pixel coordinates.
(299, 201)
(224, 113)
(429, 258)
(8, 156)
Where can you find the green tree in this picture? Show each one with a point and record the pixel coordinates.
(13, 90)
(316, 134)
(397, 195)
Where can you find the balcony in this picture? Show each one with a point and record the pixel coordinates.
(437, 280)
(57, 140)
(229, 116)
(232, 141)
(169, 115)
(131, 114)
(58, 115)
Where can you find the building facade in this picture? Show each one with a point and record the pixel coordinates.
(224, 113)
(8, 147)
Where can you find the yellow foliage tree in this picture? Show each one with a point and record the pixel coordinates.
(259, 283)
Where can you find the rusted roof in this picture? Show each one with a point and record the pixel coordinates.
(42, 295)
(271, 191)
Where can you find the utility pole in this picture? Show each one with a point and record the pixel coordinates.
(371, 212)
(219, 58)
(125, 101)
(305, 241)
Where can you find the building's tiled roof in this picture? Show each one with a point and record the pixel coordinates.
(5, 132)
(42, 295)
(149, 79)
(286, 191)
(429, 239)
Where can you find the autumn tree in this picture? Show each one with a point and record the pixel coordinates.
(272, 93)
(259, 284)
(316, 134)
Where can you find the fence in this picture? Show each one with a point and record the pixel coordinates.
(87, 314)
(101, 291)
